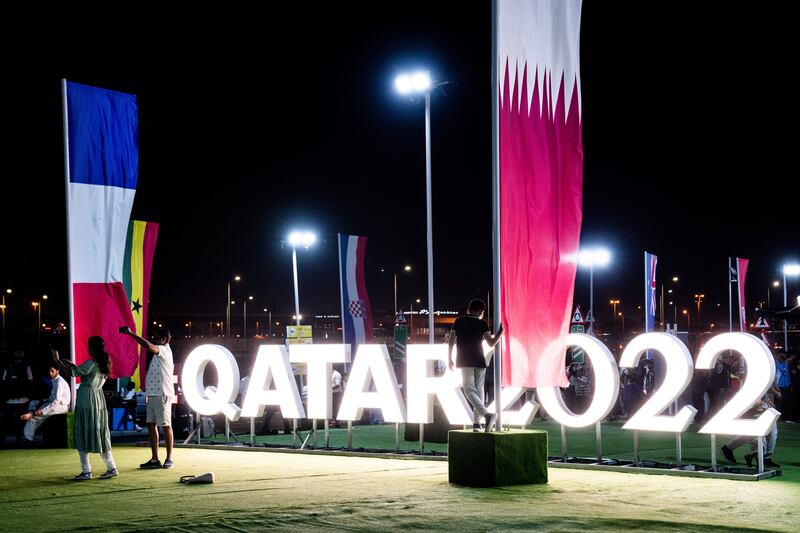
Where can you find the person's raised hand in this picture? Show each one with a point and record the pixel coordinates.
(125, 329)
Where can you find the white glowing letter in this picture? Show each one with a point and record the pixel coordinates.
(676, 379)
(207, 401)
(372, 360)
(272, 364)
(320, 359)
(606, 385)
(760, 376)
(421, 385)
(521, 417)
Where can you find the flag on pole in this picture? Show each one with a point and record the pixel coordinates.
(741, 274)
(102, 166)
(541, 180)
(140, 246)
(650, 262)
(356, 311)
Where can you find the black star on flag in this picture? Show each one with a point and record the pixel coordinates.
(135, 306)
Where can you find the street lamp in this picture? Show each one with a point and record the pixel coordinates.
(698, 298)
(614, 315)
(411, 320)
(686, 312)
(304, 239)
(37, 307)
(590, 258)
(674, 280)
(270, 321)
(416, 83)
(792, 269)
(3, 309)
(228, 317)
(406, 268)
(244, 333)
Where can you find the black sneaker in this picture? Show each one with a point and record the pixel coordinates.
(476, 428)
(728, 453)
(152, 463)
(167, 464)
(491, 421)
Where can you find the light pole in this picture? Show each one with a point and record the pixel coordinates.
(270, 321)
(698, 299)
(244, 334)
(189, 328)
(3, 308)
(614, 315)
(304, 239)
(591, 258)
(411, 321)
(228, 316)
(420, 83)
(674, 280)
(406, 268)
(788, 270)
(37, 306)
(686, 312)
(775, 283)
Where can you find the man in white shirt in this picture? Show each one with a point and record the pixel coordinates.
(57, 403)
(160, 392)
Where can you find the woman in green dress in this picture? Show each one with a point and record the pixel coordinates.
(91, 434)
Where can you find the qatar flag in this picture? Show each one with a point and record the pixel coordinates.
(541, 179)
(102, 166)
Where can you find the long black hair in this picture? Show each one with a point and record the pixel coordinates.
(97, 349)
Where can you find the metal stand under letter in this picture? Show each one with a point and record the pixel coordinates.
(636, 461)
(252, 431)
(421, 438)
(760, 455)
(598, 432)
(397, 437)
(349, 434)
(713, 453)
(563, 443)
(678, 451)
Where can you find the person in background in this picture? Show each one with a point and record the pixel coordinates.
(17, 383)
(91, 433)
(128, 401)
(57, 403)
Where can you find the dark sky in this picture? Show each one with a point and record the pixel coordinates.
(254, 123)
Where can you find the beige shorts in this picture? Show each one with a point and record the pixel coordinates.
(159, 410)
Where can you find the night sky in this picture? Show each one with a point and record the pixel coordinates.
(255, 123)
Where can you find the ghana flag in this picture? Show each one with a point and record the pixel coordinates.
(140, 245)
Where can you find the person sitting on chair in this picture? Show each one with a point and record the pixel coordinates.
(57, 403)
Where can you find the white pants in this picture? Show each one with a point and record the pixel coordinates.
(32, 425)
(472, 380)
(108, 459)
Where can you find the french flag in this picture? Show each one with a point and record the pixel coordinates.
(102, 167)
(356, 311)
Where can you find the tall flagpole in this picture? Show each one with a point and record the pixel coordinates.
(65, 120)
(341, 290)
(497, 319)
(730, 297)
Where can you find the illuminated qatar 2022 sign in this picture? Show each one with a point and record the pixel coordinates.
(272, 383)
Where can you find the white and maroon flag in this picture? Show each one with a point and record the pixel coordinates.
(102, 166)
(541, 179)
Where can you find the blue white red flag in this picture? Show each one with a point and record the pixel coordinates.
(356, 311)
(650, 261)
(102, 167)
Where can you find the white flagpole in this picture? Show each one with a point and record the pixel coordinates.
(65, 120)
(341, 290)
(730, 297)
(497, 319)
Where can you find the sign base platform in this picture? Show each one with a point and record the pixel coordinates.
(517, 457)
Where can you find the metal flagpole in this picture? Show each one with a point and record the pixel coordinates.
(69, 266)
(730, 297)
(497, 319)
(785, 326)
(429, 212)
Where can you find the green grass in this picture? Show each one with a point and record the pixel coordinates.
(258, 490)
(617, 443)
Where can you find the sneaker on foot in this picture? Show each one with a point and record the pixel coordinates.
(152, 463)
(167, 464)
(111, 472)
(748, 458)
(491, 421)
(476, 428)
(728, 453)
(83, 476)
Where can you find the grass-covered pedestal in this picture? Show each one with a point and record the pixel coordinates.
(517, 457)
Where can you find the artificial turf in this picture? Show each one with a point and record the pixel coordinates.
(257, 490)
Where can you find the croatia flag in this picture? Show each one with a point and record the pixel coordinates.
(541, 180)
(102, 166)
(356, 311)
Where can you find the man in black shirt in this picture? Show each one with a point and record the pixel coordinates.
(468, 333)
